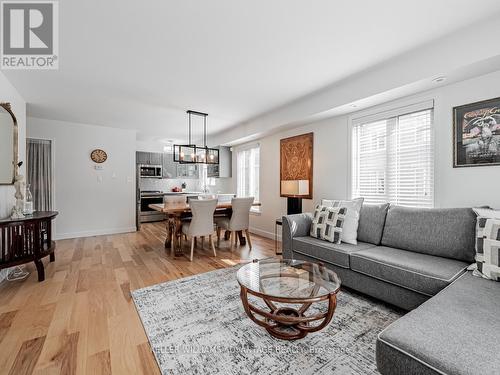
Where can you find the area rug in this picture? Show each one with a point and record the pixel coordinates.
(197, 325)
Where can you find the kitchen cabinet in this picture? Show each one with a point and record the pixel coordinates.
(156, 158)
(224, 168)
(225, 161)
(187, 170)
(169, 166)
(213, 170)
(142, 157)
(149, 158)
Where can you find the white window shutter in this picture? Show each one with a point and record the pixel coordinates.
(393, 160)
(248, 171)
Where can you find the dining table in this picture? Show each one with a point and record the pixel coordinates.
(177, 213)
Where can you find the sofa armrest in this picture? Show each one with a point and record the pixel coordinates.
(294, 226)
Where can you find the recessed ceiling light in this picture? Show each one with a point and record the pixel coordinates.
(439, 79)
(354, 105)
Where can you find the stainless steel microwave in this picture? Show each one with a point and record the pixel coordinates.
(150, 171)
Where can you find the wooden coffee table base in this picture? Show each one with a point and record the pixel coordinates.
(288, 323)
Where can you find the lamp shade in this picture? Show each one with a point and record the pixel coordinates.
(295, 187)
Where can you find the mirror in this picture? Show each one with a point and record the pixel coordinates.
(8, 144)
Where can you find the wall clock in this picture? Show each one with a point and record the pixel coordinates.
(99, 156)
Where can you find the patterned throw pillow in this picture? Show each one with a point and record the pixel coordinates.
(327, 223)
(318, 223)
(487, 243)
(351, 221)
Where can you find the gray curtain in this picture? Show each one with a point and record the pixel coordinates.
(39, 171)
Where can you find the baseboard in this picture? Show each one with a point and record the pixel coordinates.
(266, 234)
(100, 232)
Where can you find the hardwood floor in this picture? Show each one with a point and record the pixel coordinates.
(81, 319)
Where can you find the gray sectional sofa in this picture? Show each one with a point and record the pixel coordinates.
(415, 259)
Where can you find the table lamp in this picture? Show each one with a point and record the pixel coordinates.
(294, 190)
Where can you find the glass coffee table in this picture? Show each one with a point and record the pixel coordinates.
(288, 288)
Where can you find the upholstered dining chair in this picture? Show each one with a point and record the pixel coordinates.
(202, 222)
(240, 220)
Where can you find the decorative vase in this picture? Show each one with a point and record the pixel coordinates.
(17, 211)
(28, 201)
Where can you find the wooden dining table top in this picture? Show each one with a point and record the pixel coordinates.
(172, 208)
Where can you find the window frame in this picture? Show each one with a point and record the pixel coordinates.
(255, 210)
(385, 111)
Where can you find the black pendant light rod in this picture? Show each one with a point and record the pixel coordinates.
(205, 130)
(189, 126)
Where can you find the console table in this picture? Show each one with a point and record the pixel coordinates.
(27, 239)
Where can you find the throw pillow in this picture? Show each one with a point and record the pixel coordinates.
(318, 222)
(327, 223)
(334, 221)
(487, 243)
(351, 220)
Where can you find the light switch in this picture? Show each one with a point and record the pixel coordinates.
(113, 175)
(99, 179)
(98, 167)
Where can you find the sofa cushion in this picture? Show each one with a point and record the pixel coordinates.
(455, 332)
(421, 273)
(448, 233)
(337, 254)
(371, 222)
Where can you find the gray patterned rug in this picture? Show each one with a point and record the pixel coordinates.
(197, 325)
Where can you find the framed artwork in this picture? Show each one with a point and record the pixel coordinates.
(476, 134)
(296, 162)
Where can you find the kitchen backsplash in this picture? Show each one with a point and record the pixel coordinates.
(215, 185)
(167, 184)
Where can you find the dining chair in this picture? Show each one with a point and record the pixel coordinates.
(202, 222)
(175, 200)
(240, 220)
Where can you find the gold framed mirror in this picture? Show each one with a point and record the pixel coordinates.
(8, 144)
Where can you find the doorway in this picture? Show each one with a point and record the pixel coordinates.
(39, 170)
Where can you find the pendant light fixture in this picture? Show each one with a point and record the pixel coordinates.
(191, 153)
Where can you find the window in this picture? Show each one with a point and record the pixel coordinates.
(248, 167)
(392, 159)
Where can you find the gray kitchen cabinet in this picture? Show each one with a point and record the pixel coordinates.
(187, 170)
(213, 170)
(149, 158)
(156, 158)
(142, 157)
(169, 166)
(225, 161)
(224, 168)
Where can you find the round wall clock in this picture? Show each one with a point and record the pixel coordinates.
(98, 156)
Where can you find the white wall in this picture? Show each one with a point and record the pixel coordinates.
(454, 187)
(89, 201)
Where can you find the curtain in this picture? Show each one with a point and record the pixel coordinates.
(39, 171)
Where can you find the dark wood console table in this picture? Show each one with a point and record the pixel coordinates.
(27, 239)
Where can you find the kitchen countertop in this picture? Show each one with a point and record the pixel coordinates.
(144, 194)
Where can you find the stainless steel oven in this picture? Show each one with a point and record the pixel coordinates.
(148, 214)
(150, 171)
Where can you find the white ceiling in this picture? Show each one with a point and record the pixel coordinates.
(140, 65)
